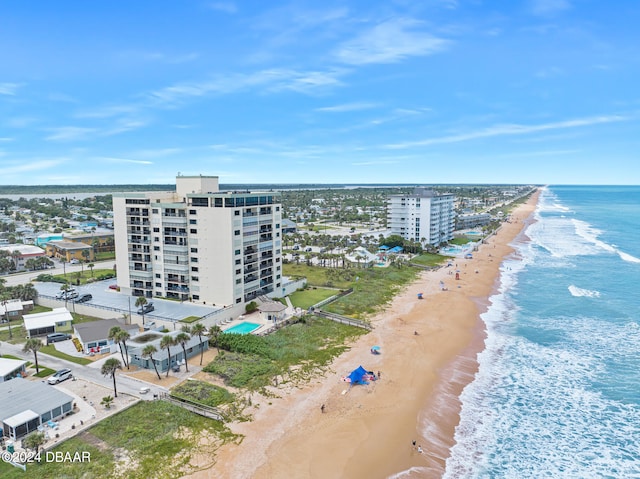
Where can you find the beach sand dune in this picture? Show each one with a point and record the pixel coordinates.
(366, 431)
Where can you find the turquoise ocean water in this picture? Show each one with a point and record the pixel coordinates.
(557, 394)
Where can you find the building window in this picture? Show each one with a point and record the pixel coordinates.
(277, 208)
(238, 300)
(237, 251)
(238, 261)
(154, 211)
(158, 275)
(236, 232)
(158, 285)
(193, 231)
(236, 212)
(156, 248)
(196, 296)
(194, 269)
(194, 250)
(193, 212)
(194, 260)
(193, 222)
(156, 230)
(239, 281)
(194, 278)
(156, 239)
(238, 271)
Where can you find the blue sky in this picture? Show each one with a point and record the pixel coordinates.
(395, 91)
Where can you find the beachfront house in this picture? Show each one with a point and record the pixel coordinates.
(26, 405)
(12, 368)
(137, 344)
(94, 336)
(57, 320)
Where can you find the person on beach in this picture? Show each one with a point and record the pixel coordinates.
(379, 375)
(420, 449)
(322, 409)
(413, 443)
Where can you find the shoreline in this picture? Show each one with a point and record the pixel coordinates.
(366, 431)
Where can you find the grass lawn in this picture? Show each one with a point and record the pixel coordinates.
(429, 259)
(190, 319)
(460, 240)
(374, 288)
(52, 351)
(292, 354)
(86, 276)
(316, 276)
(155, 438)
(310, 296)
(44, 371)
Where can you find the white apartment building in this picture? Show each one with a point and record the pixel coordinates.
(198, 243)
(422, 216)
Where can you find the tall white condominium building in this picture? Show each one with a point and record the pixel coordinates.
(422, 216)
(215, 247)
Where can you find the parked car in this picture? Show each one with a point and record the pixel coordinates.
(55, 337)
(60, 376)
(62, 294)
(72, 294)
(113, 286)
(74, 261)
(147, 308)
(84, 298)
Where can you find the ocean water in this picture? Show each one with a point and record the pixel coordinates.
(557, 393)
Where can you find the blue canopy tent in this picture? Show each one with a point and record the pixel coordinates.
(357, 376)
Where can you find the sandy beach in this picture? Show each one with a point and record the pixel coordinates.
(367, 431)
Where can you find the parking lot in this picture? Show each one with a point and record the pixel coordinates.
(102, 296)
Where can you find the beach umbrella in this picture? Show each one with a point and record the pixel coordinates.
(375, 348)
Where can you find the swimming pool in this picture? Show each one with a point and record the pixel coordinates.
(243, 328)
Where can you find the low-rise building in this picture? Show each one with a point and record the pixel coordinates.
(137, 344)
(68, 250)
(25, 405)
(58, 320)
(21, 253)
(94, 335)
(12, 368)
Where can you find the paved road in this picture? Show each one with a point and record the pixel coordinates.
(89, 373)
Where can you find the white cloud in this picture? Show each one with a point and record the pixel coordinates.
(68, 133)
(548, 7)
(226, 7)
(510, 129)
(123, 160)
(390, 42)
(38, 165)
(268, 80)
(9, 88)
(347, 107)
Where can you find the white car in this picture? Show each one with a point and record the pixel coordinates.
(59, 376)
(74, 261)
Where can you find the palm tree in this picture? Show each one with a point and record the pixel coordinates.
(115, 334)
(91, 266)
(16, 256)
(109, 368)
(122, 338)
(214, 333)
(149, 350)
(182, 339)
(85, 254)
(140, 302)
(199, 330)
(4, 297)
(33, 345)
(165, 343)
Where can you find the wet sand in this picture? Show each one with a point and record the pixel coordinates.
(367, 431)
